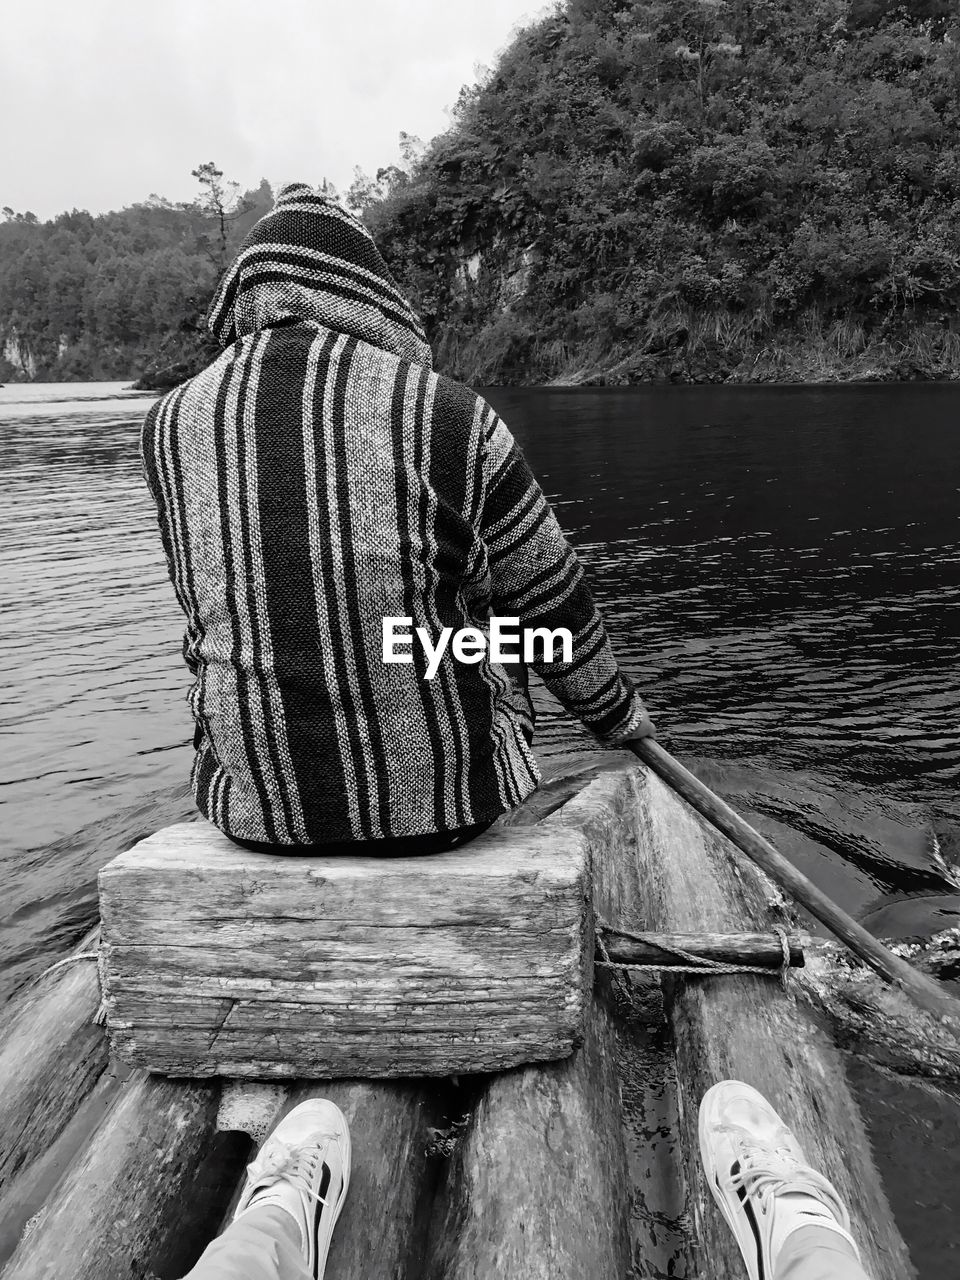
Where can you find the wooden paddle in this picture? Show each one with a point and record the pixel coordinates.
(923, 990)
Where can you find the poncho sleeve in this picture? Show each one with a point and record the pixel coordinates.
(537, 577)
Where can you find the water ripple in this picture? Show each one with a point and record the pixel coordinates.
(780, 617)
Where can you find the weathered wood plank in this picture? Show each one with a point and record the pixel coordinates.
(219, 961)
(692, 879)
(555, 1175)
(876, 1021)
(438, 956)
(51, 1057)
(537, 1185)
(139, 1198)
(553, 793)
(606, 813)
(235, 1054)
(383, 1226)
(366, 890)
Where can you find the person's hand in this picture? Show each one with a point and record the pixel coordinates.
(645, 729)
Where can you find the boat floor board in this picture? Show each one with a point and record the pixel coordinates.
(535, 1188)
(693, 879)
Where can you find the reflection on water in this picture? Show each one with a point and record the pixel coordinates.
(779, 568)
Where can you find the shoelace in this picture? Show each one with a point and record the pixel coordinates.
(768, 1170)
(281, 1161)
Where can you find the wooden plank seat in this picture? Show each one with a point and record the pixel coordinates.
(220, 961)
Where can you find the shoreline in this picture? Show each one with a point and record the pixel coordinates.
(578, 379)
(771, 366)
(582, 378)
(812, 364)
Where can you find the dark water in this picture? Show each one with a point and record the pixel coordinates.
(779, 568)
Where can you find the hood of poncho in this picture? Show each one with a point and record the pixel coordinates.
(310, 259)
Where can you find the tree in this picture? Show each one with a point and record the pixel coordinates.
(365, 191)
(221, 202)
(412, 150)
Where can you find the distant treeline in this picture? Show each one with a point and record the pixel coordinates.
(84, 297)
(639, 189)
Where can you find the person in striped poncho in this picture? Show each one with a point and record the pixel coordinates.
(315, 479)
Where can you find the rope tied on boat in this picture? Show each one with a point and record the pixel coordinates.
(100, 1018)
(701, 965)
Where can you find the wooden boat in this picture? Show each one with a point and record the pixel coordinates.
(582, 1167)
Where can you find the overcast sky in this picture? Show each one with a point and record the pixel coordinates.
(106, 101)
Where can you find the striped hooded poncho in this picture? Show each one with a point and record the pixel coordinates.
(315, 479)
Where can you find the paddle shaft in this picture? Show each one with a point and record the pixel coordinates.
(927, 993)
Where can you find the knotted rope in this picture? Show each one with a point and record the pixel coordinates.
(100, 1017)
(59, 964)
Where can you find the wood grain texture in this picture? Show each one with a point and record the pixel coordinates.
(693, 879)
(220, 961)
(566, 1168)
(653, 1193)
(876, 1021)
(381, 1231)
(537, 1184)
(51, 1057)
(556, 1174)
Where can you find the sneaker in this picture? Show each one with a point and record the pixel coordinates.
(304, 1167)
(760, 1177)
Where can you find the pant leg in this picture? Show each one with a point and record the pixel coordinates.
(263, 1244)
(817, 1253)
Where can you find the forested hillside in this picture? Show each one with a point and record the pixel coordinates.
(84, 297)
(696, 189)
(640, 189)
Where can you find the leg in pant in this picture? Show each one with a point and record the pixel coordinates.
(262, 1245)
(810, 1253)
(290, 1203)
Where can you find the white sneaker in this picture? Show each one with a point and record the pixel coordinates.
(304, 1167)
(760, 1177)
